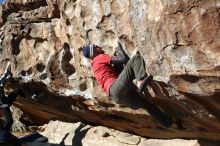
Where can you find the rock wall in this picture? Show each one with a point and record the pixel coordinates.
(178, 39)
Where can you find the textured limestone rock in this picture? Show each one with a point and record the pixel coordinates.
(86, 135)
(178, 39)
(17, 126)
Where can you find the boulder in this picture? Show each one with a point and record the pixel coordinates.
(179, 41)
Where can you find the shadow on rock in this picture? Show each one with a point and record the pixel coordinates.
(79, 135)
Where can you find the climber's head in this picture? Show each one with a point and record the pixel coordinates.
(90, 51)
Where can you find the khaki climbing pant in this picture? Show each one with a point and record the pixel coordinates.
(121, 88)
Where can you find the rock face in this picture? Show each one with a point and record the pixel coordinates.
(178, 39)
(84, 135)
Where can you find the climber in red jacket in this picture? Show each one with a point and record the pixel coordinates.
(117, 86)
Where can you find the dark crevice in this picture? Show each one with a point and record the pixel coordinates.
(67, 22)
(56, 12)
(68, 36)
(15, 42)
(1, 49)
(15, 45)
(40, 67)
(87, 33)
(190, 78)
(43, 76)
(104, 18)
(67, 56)
(54, 69)
(23, 73)
(26, 22)
(26, 73)
(35, 14)
(118, 118)
(22, 27)
(178, 11)
(176, 44)
(51, 65)
(26, 6)
(189, 10)
(38, 40)
(29, 71)
(83, 24)
(83, 86)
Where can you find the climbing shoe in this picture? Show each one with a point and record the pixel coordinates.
(145, 82)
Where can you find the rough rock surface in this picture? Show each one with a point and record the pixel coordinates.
(178, 39)
(80, 134)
